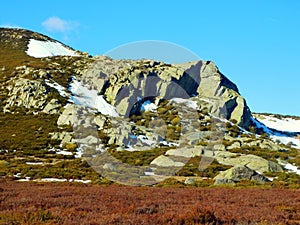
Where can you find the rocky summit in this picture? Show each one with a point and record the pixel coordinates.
(67, 115)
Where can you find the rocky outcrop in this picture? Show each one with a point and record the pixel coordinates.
(237, 173)
(253, 162)
(149, 80)
(26, 93)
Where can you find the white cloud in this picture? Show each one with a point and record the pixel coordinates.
(55, 24)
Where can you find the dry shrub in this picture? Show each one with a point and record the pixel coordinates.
(66, 203)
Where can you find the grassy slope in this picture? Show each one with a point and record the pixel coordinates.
(24, 136)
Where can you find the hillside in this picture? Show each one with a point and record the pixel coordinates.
(68, 116)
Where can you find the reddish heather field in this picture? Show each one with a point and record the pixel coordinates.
(65, 203)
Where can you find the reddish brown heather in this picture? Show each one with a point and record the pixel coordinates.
(65, 203)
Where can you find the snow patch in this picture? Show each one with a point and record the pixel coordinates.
(63, 152)
(51, 180)
(61, 90)
(55, 180)
(148, 106)
(189, 103)
(34, 163)
(145, 140)
(170, 144)
(287, 140)
(39, 49)
(277, 136)
(24, 180)
(292, 168)
(83, 96)
(80, 181)
(129, 148)
(285, 124)
(147, 173)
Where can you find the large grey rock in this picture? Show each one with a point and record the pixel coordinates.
(186, 152)
(200, 78)
(164, 161)
(237, 173)
(254, 162)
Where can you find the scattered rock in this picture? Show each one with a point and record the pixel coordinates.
(164, 161)
(186, 152)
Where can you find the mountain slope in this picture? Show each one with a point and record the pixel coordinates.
(63, 111)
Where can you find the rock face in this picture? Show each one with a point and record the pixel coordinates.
(149, 80)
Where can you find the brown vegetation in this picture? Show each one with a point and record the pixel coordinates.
(43, 203)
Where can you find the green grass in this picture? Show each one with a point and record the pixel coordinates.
(21, 131)
(191, 168)
(139, 158)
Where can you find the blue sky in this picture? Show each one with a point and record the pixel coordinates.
(254, 43)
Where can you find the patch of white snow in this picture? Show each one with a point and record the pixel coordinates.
(145, 140)
(63, 152)
(275, 135)
(189, 103)
(34, 163)
(291, 168)
(148, 106)
(51, 180)
(81, 95)
(287, 140)
(166, 143)
(39, 49)
(61, 90)
(80, 181)
(285, 124)
(24, 180)
(147, 173)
